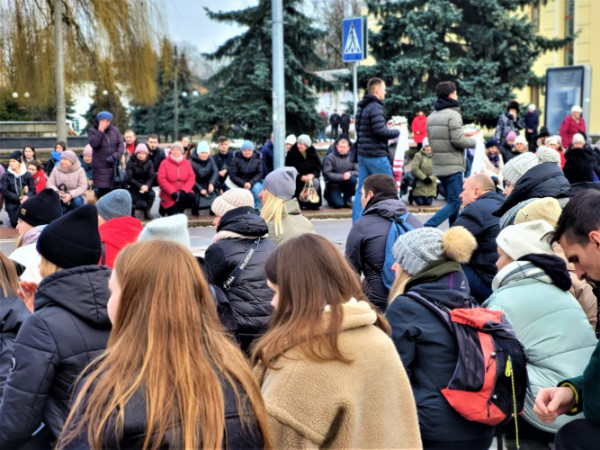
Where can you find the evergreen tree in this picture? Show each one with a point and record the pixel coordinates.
(243, 96)
(107, 98)
(487, 47)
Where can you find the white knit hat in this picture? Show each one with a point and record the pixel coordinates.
(232, 199)
(521, 140)
(291, 139)
(172, 228)
(525, 238)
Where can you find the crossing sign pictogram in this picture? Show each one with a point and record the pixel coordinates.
(354, 42)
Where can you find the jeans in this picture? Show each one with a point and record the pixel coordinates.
(366, 167)
(338, 193)
(256, 189)
(480, 290)
(423, 201)
(453, 185)
(322, 135)
(73, 204)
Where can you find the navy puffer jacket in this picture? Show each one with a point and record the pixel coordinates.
(478, 219)
(250, 297)
(429, 351)
(206, 172)
(371, 129)
(107, 144)
(69, 328)
(365, 246)
(13, 313)
(244, 170)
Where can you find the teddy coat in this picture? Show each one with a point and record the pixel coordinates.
(551, 325)
(174, 176)
(293, 223)
(422, 166)
(72, 178)
(367, 403)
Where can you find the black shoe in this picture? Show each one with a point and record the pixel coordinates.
(147, 215)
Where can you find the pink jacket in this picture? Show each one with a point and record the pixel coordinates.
(73, 179)
(174, 176)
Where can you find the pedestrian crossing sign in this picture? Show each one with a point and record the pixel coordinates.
(354, 39)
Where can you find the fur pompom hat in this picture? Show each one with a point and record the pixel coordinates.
(420, 247)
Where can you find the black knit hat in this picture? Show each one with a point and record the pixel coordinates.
(41, 209)
(579, 165)
(73, 240)
(16, 155)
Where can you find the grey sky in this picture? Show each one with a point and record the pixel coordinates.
(187, 21)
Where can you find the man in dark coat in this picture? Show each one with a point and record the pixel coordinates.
(334, 121)
(155, 154)
(365, 246)
(480, 200)
(372, 139)
(266, 153)
(345, 124)
(108, 147)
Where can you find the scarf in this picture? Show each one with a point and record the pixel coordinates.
(494, 159)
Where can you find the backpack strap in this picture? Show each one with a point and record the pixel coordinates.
(441, 311)
(239, 269)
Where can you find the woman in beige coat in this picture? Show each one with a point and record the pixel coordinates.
(69, 180)
(329, 372)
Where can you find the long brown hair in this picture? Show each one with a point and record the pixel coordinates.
(310, 273)
(167, 341)
(9, 281)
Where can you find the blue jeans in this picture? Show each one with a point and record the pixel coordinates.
(453, 184)
(338, 193)
(366, 167)
(73, 204)
(256, 189)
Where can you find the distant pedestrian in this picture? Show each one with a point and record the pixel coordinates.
(334, 121)
(508, 121)
(69, 180)
(17, 186)
(506, 147)
(532, 122)
(28, 154)
(493, 163)
(570, 125)
(372, 139)
(108, 147)
(206, 187)
(85, 159)
(418, 127)
(130, 141)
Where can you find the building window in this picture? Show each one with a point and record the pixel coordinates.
(569, 29)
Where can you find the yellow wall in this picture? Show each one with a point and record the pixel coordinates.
(552, 24)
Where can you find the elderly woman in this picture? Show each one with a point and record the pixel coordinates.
(176, 180)
(493, 163)
(303, 156)
(69, 180)
(571, 125)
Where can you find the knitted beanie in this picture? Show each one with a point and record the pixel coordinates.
(116, 203)
(172, 228)
(203, 147)
(305, 139)
(233, 198)
(178, 145)
(525, 238)
(291, 139)
(419, 247)
(247, 145)
(492, 143)
(547, 209)
(87, 150)
(72, 240)
(579, 165)
(141, 148)
(520, 139)
(281, 182)
(511, 136)
(104, 115)
(425, 142)
(16, 155)
(518, 166)
(41, 209)
(578, 138)
(69, 155)
(547, 154)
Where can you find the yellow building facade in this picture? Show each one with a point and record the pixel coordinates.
(558, 18)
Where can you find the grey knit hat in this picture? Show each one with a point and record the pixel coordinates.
(304, 139)
(282, 182)
(172, 228)
(520, 165)
(525, 238)
(417, 248)
(116, 203)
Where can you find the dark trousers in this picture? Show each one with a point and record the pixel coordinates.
(186, 200)
(103, 191)
(12, 209)
(334, 131)
(580, 434)
(338, 193)
(480, 290)
(142, 201)
(423, 201)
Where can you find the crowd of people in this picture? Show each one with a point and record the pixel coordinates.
(118, 335)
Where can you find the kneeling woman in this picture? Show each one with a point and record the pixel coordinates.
(170, 378)
(329, 372)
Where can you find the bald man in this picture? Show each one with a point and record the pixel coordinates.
(479, 200)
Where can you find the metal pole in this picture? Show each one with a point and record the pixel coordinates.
(355, 87)
(59, 63)
(278, 84)
(175, 102)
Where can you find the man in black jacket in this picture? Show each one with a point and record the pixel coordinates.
(156, 155)
(372, 138)
(334, 121)
(480, 200)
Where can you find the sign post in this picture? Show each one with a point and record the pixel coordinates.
(354, 47)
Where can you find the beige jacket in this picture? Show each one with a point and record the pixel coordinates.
(293, 223)
(493, 171)
(365, 404)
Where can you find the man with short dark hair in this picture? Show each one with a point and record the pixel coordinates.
(223, 160)
(372, 138)
(578, 232)
(334, 121)
(448, 142)
(155, 154)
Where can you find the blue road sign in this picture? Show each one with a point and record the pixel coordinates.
(354, 39)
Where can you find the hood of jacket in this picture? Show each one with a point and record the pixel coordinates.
(368, 98)
(121, 231)
(444, 103)
(22, 171)
(12, 314)
(335, 151)
(82, 290)
(74, 167)
(244, 221)
(388, 208)
(444, 282)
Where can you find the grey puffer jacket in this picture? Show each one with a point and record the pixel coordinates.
(446, 137)
(335, 165)
(371, 129)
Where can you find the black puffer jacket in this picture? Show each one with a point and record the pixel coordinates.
(371, 129)
(12, 183)
(223, 162)
(365, 246)
(250, 297)
(139, 173)
(206, 172)
(304, 166)
(543, 180)
(156, 157)
(69, 328)
(13, 313)
(236, 436)
(478, 219)
(244, 170)
(429, 352)
(335, 165)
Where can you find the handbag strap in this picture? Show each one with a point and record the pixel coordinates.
(239, 269)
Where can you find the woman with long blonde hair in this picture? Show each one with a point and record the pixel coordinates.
(170, 377)
(329, 373)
